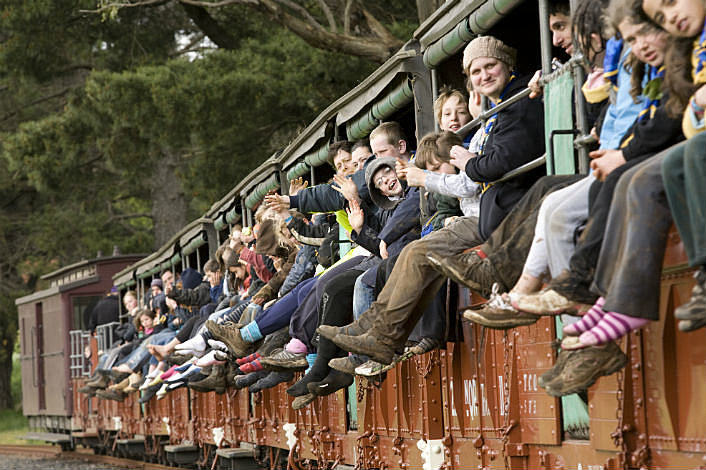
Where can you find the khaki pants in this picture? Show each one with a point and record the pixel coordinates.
(413, 282)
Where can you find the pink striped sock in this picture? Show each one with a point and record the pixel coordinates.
(588, 321)
(612, 326)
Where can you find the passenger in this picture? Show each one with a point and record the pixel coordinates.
(565, 210)
(383, 329)
(360, 153)
(496, 260)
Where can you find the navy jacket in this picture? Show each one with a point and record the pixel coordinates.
(516, 138)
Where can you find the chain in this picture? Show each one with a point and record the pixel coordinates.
(425, 368)
(618, 434)
(508, 357)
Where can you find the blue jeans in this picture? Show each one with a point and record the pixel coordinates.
(363, 296)
(141, 353)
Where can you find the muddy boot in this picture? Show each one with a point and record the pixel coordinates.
(109, 394)
(468, 269)
(366, 344)
(359, 327)
(230, 335)
(215, 382)
(231, 373)
(99, 383)
(285, 360)
(584, 366)
(247, 380)
(303, 401)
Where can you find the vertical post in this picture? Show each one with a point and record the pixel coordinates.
(313, 176)
(244, 212)
(198, 259)
(577, 73)
(250, 219)
(435, 92)
(544, 37)
(283, 183)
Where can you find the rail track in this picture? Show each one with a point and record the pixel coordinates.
(44, 451)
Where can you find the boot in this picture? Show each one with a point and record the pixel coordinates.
(468, 269)
(100, 383)
(230, 335)
(362, 325)
(215, 382)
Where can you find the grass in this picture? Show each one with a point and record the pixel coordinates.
(13, 425)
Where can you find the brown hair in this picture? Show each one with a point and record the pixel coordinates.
(334, 148)
(678, 80)
(446, 94)
(139, 314)
(436, 146)
(212, 266)
(391, 130)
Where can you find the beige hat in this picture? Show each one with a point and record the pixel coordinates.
(488, 46)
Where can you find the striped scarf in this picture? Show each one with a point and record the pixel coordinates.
(489, 126)
(611, 62)
(699, 58)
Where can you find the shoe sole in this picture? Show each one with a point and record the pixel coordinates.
(284, 365)
(613, 365)
(451, 273)
(472, 316)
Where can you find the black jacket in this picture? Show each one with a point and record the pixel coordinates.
(193, 297)
(107, 310)
(649, 136)
(323, 198)
(516, 138)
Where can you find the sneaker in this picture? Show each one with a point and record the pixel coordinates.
(468, 269)
(373, 368)
(219, 345)
(230, 335)
(572, 287)
(346, 364)
(546, 302)
(213, 357)
(498, 313)
(366, 344)
(693, 313)
(584, 366)
(285, 360)
(162, 392)
(303, 401)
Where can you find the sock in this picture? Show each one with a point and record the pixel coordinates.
(612, 326)
(246, 359)
(251, 332)
(295, 346)
(588, 321)
(310, 358)
(252, 366)
(197, 343)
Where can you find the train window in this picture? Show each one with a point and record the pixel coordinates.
(82, 307)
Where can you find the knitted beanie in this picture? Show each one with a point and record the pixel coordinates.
(488, 46)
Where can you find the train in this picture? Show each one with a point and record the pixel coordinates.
(473, 403)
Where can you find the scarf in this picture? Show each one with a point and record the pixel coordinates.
(699, 58)
(613, 50)
(490, 124)
(653, 96)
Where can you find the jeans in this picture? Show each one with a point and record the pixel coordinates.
(363, 296)
(141, 353)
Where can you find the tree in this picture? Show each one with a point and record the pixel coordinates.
(351, 27)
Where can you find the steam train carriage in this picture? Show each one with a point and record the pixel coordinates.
(475, 403)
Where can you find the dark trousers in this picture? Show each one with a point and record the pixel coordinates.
(509, 244)
(684, 176)
(305, 319)
(630, 262)
(583, 262)
(280, 313)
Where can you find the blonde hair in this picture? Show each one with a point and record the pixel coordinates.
(445, 95)
(392, 131)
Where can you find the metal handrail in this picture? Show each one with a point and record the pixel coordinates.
(104, 335)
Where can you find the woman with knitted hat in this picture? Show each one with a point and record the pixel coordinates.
(512, 137)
